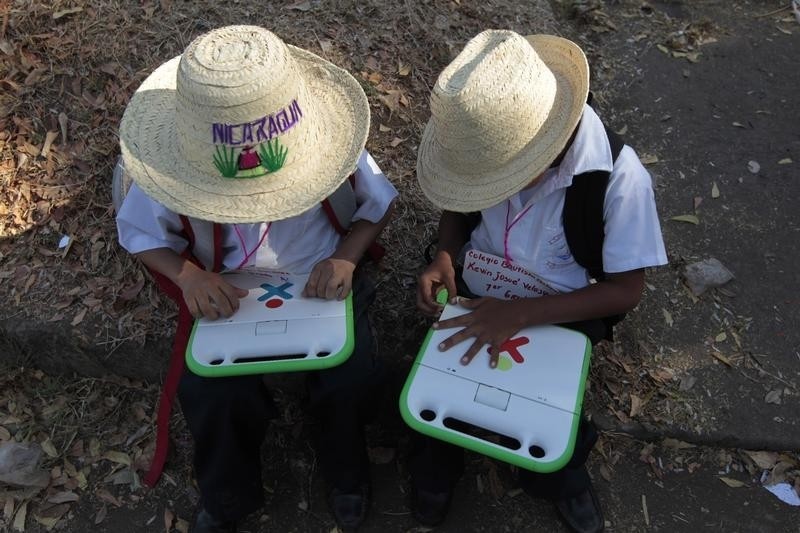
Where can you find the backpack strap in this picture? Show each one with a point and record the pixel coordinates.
(584, 227)
(179, 343)
(584, 224)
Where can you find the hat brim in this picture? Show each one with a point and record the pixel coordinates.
(150, 150)
(456, 191)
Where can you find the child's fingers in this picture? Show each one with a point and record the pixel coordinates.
(455, 322)
(194, 309)
(233, 294)
(310, 289)
(494, 356)
(457, 338)
(206, 309)
(224, 303)
(331, 288)
(470, 354)
(450, 285)
(346, 287)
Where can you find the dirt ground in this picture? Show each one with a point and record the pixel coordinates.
(699, 395)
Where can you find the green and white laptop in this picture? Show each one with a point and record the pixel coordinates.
(525, 412)
(275, 329)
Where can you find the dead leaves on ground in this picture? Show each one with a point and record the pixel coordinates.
(95, 438)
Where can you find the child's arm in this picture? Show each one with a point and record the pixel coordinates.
(453, 234)
(333, 277)
(205, 293)
(493, 321)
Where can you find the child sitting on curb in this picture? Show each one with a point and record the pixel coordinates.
(232, 147)
(510, 134)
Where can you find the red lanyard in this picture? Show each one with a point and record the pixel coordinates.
(517, 218)
(248, 255)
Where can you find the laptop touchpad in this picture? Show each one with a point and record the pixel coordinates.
(271, 327)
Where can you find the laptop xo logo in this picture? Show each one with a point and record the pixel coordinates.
(511, 347)
(274, 296)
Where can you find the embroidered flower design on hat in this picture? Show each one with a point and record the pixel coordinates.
(269, 155)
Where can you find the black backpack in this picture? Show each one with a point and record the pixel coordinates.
(584, 227)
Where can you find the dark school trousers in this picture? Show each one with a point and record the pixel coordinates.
(228, 419)
(436, 465)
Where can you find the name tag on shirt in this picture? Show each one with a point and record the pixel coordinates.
(490, 275)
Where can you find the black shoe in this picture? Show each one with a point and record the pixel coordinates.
(205, 523)
(349, 508)
(582, 512)
(430, 508)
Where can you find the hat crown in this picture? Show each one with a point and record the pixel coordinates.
(238, 89)
(491, 101)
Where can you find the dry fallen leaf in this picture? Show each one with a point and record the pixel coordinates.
(691, 219)
(636, 405)
(303, 5)
(325, 45)
(714, 190)
(667, 317)
(733, 483)
(79, 316)
(785, 161)
(169, 517)
(64, 12)
(773, 396)
(403, 69)
(19, 518)
(48, 141)
(117, 457)
(763, 459)
(107, 497)
(721, 337)
(49, 449)
(62, 123)
(721, 358)
(396, 141)
(101, 515)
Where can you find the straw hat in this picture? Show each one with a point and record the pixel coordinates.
(243, 128)
(501, 113)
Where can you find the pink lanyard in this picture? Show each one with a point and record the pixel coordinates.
(517, 218)
(248, 255)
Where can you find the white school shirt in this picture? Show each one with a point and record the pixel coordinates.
(293, 245)
(536, 241)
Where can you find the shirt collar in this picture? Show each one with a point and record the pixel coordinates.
(589, 151)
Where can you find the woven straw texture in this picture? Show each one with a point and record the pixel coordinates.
(501, 113)
(174, 139)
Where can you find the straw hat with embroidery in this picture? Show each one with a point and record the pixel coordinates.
(243, 128)
(501, 113)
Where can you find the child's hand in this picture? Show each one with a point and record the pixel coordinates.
(331, 278)
(491, 322)
(440, 273)
(207, 294)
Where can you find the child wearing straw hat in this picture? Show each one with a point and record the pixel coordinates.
(232, 147)
(510, 134)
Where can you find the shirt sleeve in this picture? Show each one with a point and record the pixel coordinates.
(374, 192)
(633, 234)
(144, 224)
